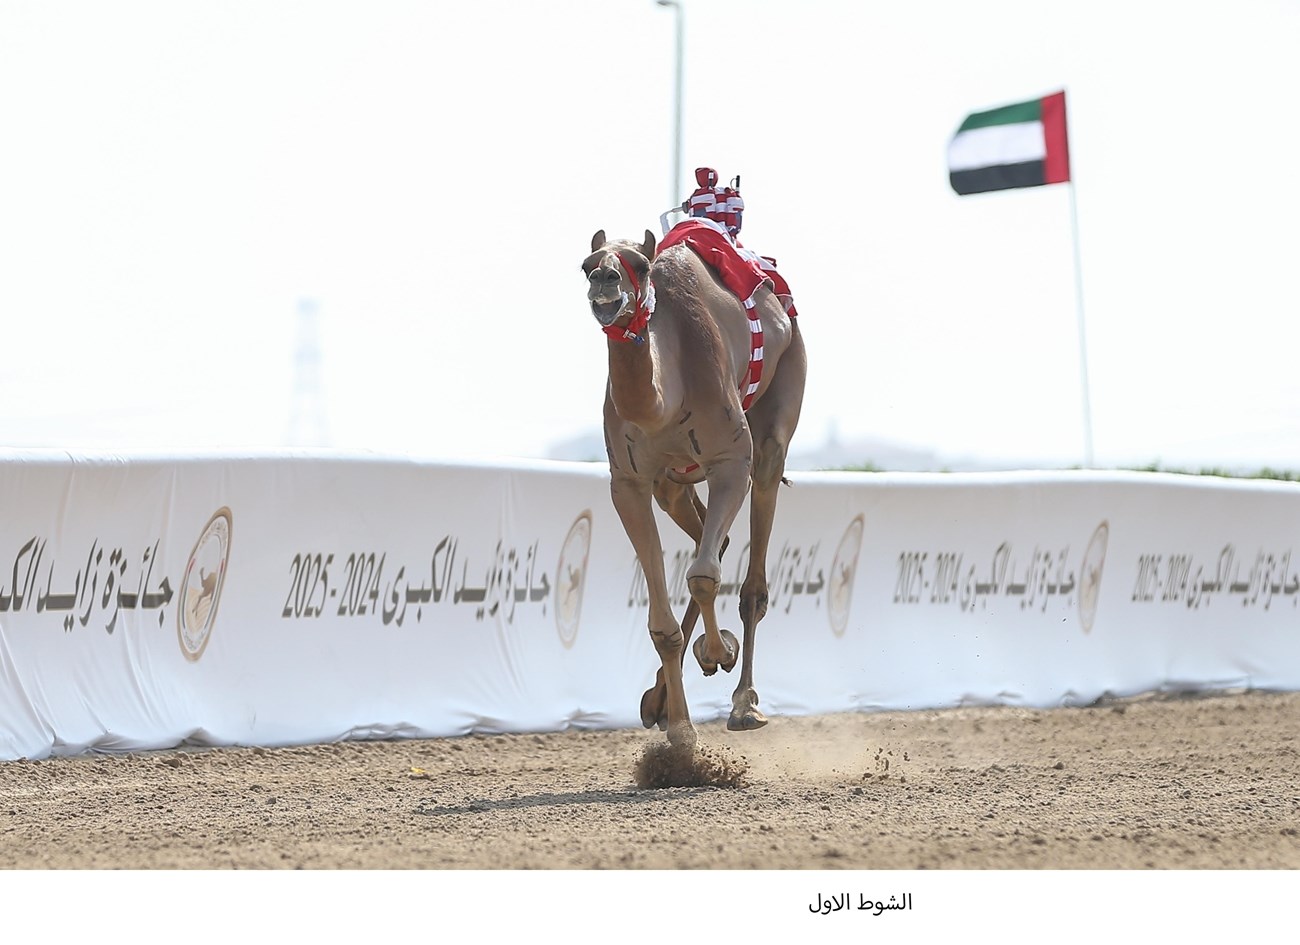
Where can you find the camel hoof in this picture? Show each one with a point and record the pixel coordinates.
(654, 704)
(733, 648)
(745, 716)
(746, 721)
(682, 736)
(700, 649)
(706, 664)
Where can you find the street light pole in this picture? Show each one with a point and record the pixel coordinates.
(679, 15)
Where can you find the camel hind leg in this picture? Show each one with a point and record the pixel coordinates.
(772, 423)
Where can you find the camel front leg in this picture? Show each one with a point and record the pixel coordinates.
(728, 482)
(632, 502)
(683, 505)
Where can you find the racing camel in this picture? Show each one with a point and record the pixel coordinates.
(701, 387)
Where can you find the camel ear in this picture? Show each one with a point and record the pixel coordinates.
(597, 240)
(648, 247)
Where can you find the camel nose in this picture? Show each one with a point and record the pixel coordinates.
(604, 276)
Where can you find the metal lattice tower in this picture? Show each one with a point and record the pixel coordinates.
(307, 426)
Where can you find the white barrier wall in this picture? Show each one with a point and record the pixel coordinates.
(149, 601)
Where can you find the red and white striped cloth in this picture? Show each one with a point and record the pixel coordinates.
(740, 269)
(755, 374)
(743, 271)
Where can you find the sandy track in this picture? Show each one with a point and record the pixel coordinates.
(1161, 782)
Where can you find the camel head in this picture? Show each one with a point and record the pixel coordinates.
(618, 278)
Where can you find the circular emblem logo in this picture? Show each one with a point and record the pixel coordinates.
(1090, 580)
(201, 587)
(571, 577)
(843, 568)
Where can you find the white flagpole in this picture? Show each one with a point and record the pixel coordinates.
(1083, 335)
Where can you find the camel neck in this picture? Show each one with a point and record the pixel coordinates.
(634, 382)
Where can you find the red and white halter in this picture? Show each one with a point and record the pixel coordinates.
(643, 308)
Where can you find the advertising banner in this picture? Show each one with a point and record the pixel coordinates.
(149, 601)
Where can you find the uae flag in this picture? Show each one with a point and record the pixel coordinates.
(1021, 145)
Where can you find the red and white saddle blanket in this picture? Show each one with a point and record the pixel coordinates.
(743, 271)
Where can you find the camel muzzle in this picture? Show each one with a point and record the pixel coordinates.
(607, 312)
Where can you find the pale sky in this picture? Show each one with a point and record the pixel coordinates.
(176, 176)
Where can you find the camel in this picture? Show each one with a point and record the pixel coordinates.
(673, 417)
